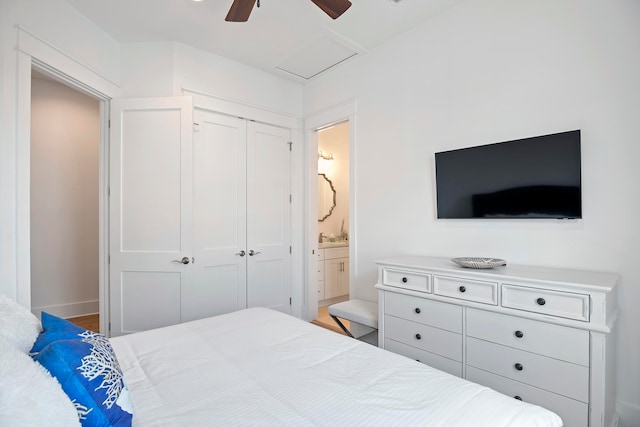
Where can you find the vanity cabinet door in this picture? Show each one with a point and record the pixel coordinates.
(336, 277)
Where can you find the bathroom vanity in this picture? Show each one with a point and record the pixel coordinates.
(333, 270)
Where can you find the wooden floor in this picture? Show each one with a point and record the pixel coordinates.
(325, 321)
(90, 322)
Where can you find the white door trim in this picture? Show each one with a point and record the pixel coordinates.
(312, 123)
(230, 107)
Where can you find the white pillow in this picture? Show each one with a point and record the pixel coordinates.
(18, 325)
(29, 396)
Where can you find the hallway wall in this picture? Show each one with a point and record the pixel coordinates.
(65, 138)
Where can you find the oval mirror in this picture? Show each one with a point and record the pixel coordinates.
(326, 197)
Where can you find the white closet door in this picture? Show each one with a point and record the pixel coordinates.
(150, 210)
(268, 217)
(218, 282)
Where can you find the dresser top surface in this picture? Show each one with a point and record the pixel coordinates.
(603, 281)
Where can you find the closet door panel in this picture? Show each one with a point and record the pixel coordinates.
(218, 284)
(213, 289)
(150, 181)
(149, 210)
(136, 289)
(267, 285)
(268, 216)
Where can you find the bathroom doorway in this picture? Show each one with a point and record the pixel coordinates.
(339, 119)
(333, 217)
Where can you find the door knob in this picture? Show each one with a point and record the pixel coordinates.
(241, 253)
(184, 260)
(252, 253)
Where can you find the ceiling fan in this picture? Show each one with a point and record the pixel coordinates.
(241, 9)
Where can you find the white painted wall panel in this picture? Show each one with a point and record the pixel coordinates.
(488, 71)
(65, 137)
(214, 75)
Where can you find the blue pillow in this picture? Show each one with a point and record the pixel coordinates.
(55, 329)
(86, 367)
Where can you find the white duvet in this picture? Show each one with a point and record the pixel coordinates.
(259, 367)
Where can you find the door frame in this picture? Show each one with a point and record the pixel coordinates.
(37, 53)
(344, 112)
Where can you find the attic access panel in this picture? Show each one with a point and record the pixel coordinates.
(317, 57)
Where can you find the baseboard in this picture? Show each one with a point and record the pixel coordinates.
(69, 310)
(335, 300)
(629, 414)
(615, 420)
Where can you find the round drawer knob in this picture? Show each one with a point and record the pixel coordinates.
(405, 280)
(517, 398)
(462, 289)
(519, 334)
(418, 336)
(418, 310)
(518, 367)
(541, 301)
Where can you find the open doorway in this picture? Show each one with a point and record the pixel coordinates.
(314, 124)
(333, 218)
(64, 201)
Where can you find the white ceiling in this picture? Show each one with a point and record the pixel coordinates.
(293, 38)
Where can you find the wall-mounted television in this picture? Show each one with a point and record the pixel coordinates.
(538, 177)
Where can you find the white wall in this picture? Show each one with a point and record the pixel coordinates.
(488, 71)
(335, 140)
(147, 69)
(226, 79)
(65, 139)
(165, 69)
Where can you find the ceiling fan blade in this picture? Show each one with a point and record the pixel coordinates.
(333, 8)
(240, 10)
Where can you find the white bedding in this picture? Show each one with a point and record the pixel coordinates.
(262, 367)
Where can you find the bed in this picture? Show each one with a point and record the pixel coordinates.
(247, 368)
(262, 367)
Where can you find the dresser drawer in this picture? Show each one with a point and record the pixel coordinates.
(433, 313)
(572, 412)
(466, 289)
(406, 279)
(559, 342)
(333, 253)
(554, 303)
(434, 340)
(320, 254)
(422, 356)
(553, 375)
(321, 271)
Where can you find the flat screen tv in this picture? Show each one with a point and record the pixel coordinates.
(537, 177)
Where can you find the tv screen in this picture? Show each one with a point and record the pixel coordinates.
(537, 177)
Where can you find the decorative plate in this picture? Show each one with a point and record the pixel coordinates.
(479, 262)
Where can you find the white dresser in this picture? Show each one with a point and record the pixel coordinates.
(541, 335)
